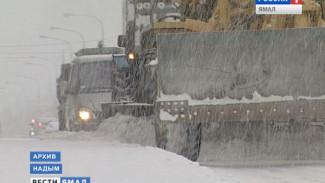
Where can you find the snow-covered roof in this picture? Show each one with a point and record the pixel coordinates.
(93, 58)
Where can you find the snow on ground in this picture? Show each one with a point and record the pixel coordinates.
(113, 154)
(118, 162)
(304, 174)
(122, 128)
(102, 161)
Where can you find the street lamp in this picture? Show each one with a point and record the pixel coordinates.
(48, 37)
(47, 60)
(89, 16)
(69, 30)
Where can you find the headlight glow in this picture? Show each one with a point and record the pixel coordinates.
(85, 114)
(131, 56)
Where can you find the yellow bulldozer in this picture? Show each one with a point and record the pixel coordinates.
(240, 15)
(231, 86)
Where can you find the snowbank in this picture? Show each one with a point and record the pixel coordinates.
(102, 161)
(121, 128)
(128, 129)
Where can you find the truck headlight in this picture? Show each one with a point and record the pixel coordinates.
(85, 114)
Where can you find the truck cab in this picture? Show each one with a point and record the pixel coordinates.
(91, 82)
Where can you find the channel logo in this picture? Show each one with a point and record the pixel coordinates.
(60, 180)
(278, 7)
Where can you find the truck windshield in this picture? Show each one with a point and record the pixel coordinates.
(92, 77)
(121, 62)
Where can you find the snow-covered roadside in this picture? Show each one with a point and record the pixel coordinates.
(121, 128)
(108, 162)
(291, 174)
(102, 161)
(113, 154)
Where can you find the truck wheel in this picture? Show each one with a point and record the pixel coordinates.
(191, 147)
(181, 138)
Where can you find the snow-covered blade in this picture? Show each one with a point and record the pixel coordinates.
(219, 76)
(235, 64)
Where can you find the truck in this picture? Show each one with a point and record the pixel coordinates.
(226, 84)
(96, 75)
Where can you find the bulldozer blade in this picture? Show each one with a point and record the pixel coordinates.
(234, 64)
(221, 73)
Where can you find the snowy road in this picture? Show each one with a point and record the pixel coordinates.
(307, 174)
(112, 161)
(113, 154)
(104, 162)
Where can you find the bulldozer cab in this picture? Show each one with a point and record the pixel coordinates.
(136, 16)
(147, 18)
(212, 15)
(141, 15)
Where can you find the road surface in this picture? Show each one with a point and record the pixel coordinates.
(107, 160)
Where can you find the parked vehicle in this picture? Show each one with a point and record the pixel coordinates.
(43, 125)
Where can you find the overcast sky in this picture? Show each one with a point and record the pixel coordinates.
(23, 21)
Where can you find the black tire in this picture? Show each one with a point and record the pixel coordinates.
(160, 134)
(191, 148)
(183, 139)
